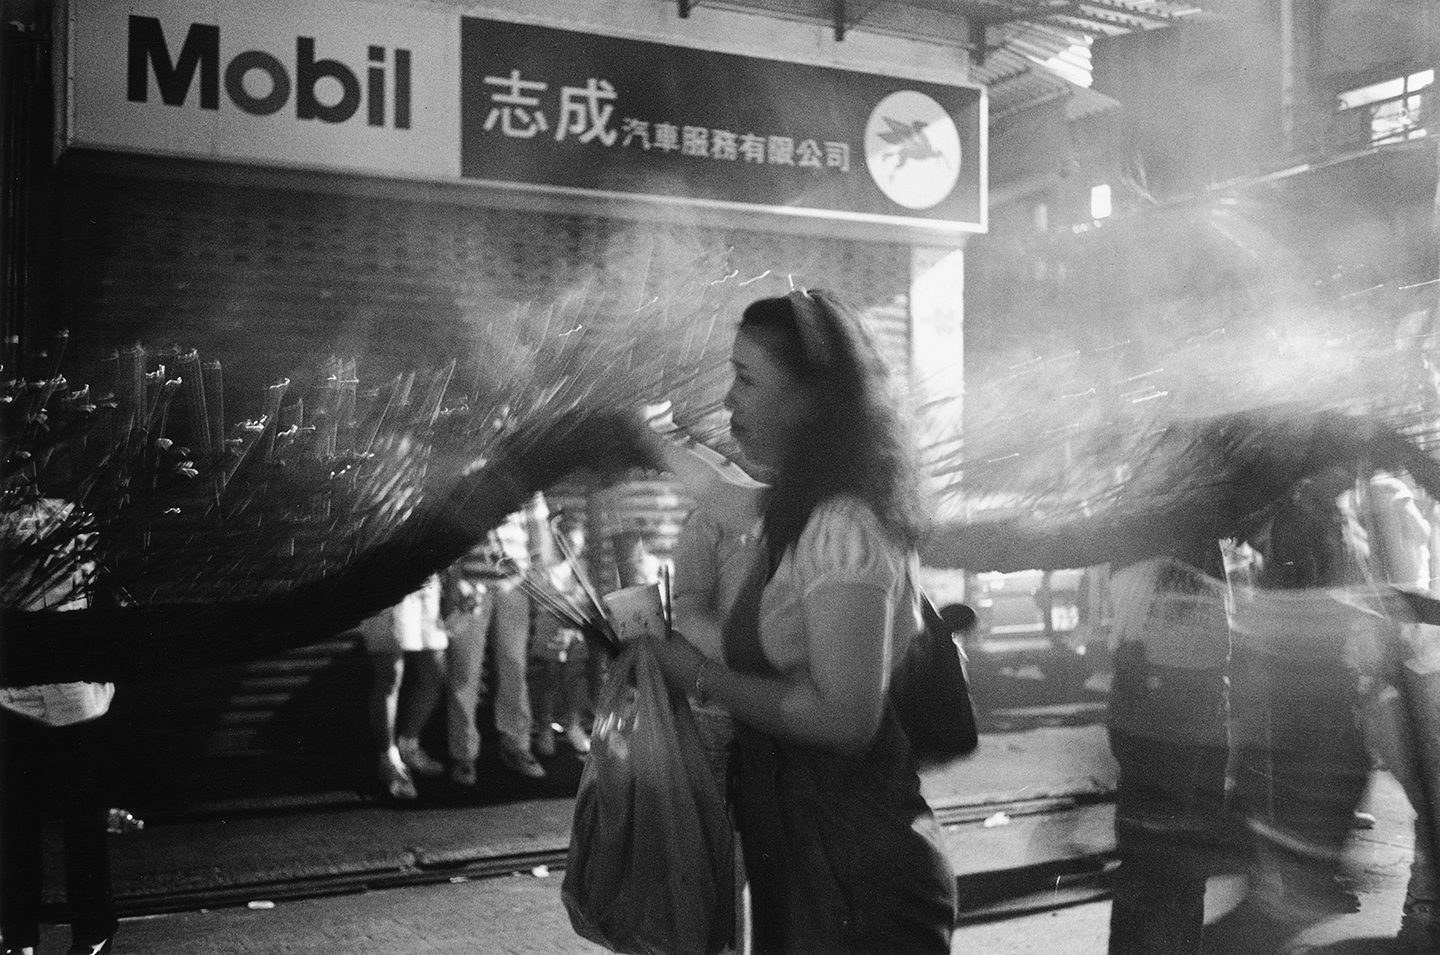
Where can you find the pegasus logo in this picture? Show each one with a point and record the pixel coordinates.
(912, 149)
(909, 143)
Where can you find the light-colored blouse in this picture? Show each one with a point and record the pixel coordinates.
(843, 543)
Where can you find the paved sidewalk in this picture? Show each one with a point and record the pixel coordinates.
(343, 880)
(228, 859)
(523, 915)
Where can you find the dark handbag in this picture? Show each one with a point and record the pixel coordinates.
(930, 691)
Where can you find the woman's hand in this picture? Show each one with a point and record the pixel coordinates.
(679, 661)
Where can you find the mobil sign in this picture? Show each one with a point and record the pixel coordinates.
(430, 94)
(322, 84)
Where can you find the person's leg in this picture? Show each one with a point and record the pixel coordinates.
(1420, 914)
(1165, 790)
(465, 658)
(1321, 767)
(1389, 736)
(544, 704)
(597, 667)
(78, 751)
(1407, 722)
(387, 670)
(512, 695)
(427, 670)
(22, 750)
(575, 703)
(546, 692)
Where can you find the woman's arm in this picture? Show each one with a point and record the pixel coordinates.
(727, 507)
(837, 705)
(731, 494)
(696, 601)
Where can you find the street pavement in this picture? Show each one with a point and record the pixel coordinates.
(1028, 830)
(226, 858)
(521, 914)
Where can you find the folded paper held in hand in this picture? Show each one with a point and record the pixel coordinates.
(636, 612)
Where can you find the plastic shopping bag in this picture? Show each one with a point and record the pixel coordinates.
(651, 864)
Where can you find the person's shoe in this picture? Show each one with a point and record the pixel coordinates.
(19, 950)
(463, 773)
(1419, 927)
(91, 948)
(395, 777)
(544, 743)
(578, 739)
(421, 762)
(518, 761)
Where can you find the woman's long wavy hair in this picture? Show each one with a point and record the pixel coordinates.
(859, 443)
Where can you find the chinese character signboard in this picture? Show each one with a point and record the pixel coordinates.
(555, 109)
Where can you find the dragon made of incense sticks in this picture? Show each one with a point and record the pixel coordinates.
(173, 543)
(1192, 482)
(158, 556)
(143, 641)
(1199, 481)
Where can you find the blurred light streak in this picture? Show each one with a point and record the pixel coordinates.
(1363, 291)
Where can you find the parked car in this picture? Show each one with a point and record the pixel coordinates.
(1050, 624)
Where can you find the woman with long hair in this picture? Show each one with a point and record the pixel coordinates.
(841, 851)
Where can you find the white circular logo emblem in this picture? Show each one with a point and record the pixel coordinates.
(912, 149)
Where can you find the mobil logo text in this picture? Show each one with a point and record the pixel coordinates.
(258, 82)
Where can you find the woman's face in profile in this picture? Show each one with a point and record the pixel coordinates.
(768, 405)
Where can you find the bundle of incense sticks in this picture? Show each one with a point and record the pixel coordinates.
(666, 599)
(583, 611)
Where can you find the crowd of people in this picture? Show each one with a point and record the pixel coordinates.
(543, 677)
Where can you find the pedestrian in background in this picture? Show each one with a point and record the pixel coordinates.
(1306, 642)
(53, 745)
(1402, 706)
(567, 677)
(1166, 720)
(485, 598)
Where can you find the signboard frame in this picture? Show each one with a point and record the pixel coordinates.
(596, 78)
(448, 158)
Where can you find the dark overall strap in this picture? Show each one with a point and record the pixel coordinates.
(740, 634)
(796, 807)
